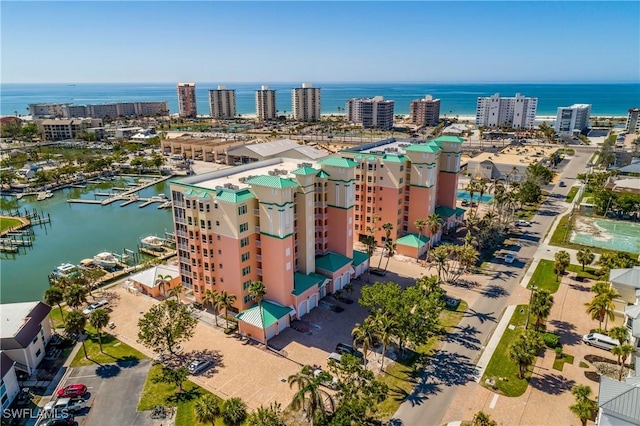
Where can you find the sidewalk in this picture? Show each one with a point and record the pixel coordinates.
(493, 342)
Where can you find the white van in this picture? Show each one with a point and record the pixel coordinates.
(600, 341)
(335, 357)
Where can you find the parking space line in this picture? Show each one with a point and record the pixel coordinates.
(82, 377)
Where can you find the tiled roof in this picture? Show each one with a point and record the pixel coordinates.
(331, 262)
(412, 240)
(272, 182)
(231, 196)
(359, 257)
(338, 162)
(423, 147)
(306, 170)
(302, 282)
(445, 212)
(271, 312)
(448, 139)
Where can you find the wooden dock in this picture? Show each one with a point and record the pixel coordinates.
(126, 194)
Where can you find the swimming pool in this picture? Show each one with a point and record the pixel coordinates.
(464, 195)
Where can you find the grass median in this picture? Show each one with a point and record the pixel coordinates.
(113, 350)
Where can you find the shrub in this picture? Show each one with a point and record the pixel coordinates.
(558, 351)
(552, 340)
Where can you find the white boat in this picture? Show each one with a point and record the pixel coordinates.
(152, 242)
(19, 196)
(105, 260)
(48, 194)
(66, 270)
(159, 197)
(41, 196)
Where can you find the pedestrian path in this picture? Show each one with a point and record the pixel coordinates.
(483, 362)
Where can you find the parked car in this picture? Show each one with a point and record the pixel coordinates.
(562, 183)
(61, 420)
(600, 341)
(342, 348)
(63, 405)
(334, 357)
(92, 307)
(509, 257)
(379, 272)
(72, 391)
(522, 223)
(199, 365)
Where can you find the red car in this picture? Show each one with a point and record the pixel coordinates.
(72, 391)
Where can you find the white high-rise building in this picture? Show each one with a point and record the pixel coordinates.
(633, 121)
(187, 100)
(266, 104)
(305, 103)
(573, 119)
(372, 113)
(222, 103)
(518, 112)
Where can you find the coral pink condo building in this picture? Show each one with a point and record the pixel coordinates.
(293, 224)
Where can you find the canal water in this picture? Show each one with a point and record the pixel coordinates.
(76, 232)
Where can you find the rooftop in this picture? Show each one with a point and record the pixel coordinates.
(149, 276)
(271, 312)
(516, 155)
(14, 316)
(412, 240)
(331, 262)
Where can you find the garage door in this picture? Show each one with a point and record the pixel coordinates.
(302, 309)
(313, 301)
(337, 284)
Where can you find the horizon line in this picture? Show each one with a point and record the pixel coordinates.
(341, 82)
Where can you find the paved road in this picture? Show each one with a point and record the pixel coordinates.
(454, 365)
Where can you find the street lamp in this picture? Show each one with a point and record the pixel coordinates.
(533, 288)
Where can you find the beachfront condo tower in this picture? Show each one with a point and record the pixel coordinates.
(187, 100)
(305, 103)
(292, 224)
(372, 113)
(425, 112)
(266, 104)
(633, 121)
(572, 120)
(222, 103)
(518, 112)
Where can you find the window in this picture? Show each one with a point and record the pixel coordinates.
(215, 206)
(38, 352)
(401, 168)
(242, 209)
(188, 204)
(217, 223)
(208, 224)
(244, 257)
(244, 242)
(189, 221)
(35, 339)
(201, 207)
(246, 299)
(244, 227)
(246, 270)
(219, 251)
(246, 284)
(201, 223)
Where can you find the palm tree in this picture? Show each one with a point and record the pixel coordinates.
(390, 247)
(482, 419)
(99, 320)
(387, 229)
(301, 378)
(176, 292)
(481, 186)
(585, 257)
(541, 303)
(207, 409)
(386, 329)
(54, 296)
(75, 295)
(162, 281)
(584, 407)
(620, 333)
(624, 351)
(227, 300)
(523, 351)
(266, 416)
(76, 323)
(257, 291)
(211, 297)
(600, 308)
(312, 399)
(234, 411)
(435, 223)
(370, 243)
(420, 224)
(364, 335)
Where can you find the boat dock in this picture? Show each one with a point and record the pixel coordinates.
(125, 194)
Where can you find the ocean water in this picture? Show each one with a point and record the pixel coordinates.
(612, 99)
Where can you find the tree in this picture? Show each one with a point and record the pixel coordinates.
(524, 350)
(226, 301)
(267, 416)
(390, 248)
(234, 411)
(165, 325)
(602, 307)
(162, 281)
(482, 419)
(434, 223)
(541, 303)
(172, 376)
(257, 291)
(310, 396)
(207, 409)
(176, 292)
(420, 225)
(76, 323)
(388, 226)
(584, 407)
(301, 378)
(620, 333)
(562, 261)
(99, 320)
(54, 296)
(364, 335)
(386, 329)
(585, 257)
(75, 295)
(212, 298)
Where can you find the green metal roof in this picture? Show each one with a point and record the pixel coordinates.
(423, 147)
(231, 196)
(359, 257)
(306, 170)
(391, 158)
(302, 282)
(338, 162)
(270, 311)
(203, 195)
(189, 192)
(444, 211)
(449, 139)
(322, 174)
(272, 182)
(460, 212)
(412, 240)
(331, 262)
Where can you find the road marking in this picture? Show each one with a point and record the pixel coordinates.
(493, 401)
(82, 377)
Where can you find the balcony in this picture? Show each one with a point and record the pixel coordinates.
(181, 220)
(257, 229)
(258, 243)
(259, 271)
(178, 204)
(256, 212)
(259, 258)
(182, 234)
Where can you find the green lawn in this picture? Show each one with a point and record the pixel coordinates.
(113, 350)
(402, 376)
(572, 194)
(501, 366)
(165, 394)
(8, 223)
(589, 271)
(558, 363)
(56, 318)
(544, 277)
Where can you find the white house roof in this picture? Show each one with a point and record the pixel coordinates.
(148, 277)
(633, 312)
(626, 276)
(620, 399)
(14, 316)
(270, 148)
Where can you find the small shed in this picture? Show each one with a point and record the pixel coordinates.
(156, 281)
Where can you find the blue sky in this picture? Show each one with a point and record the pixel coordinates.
(455, 41)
